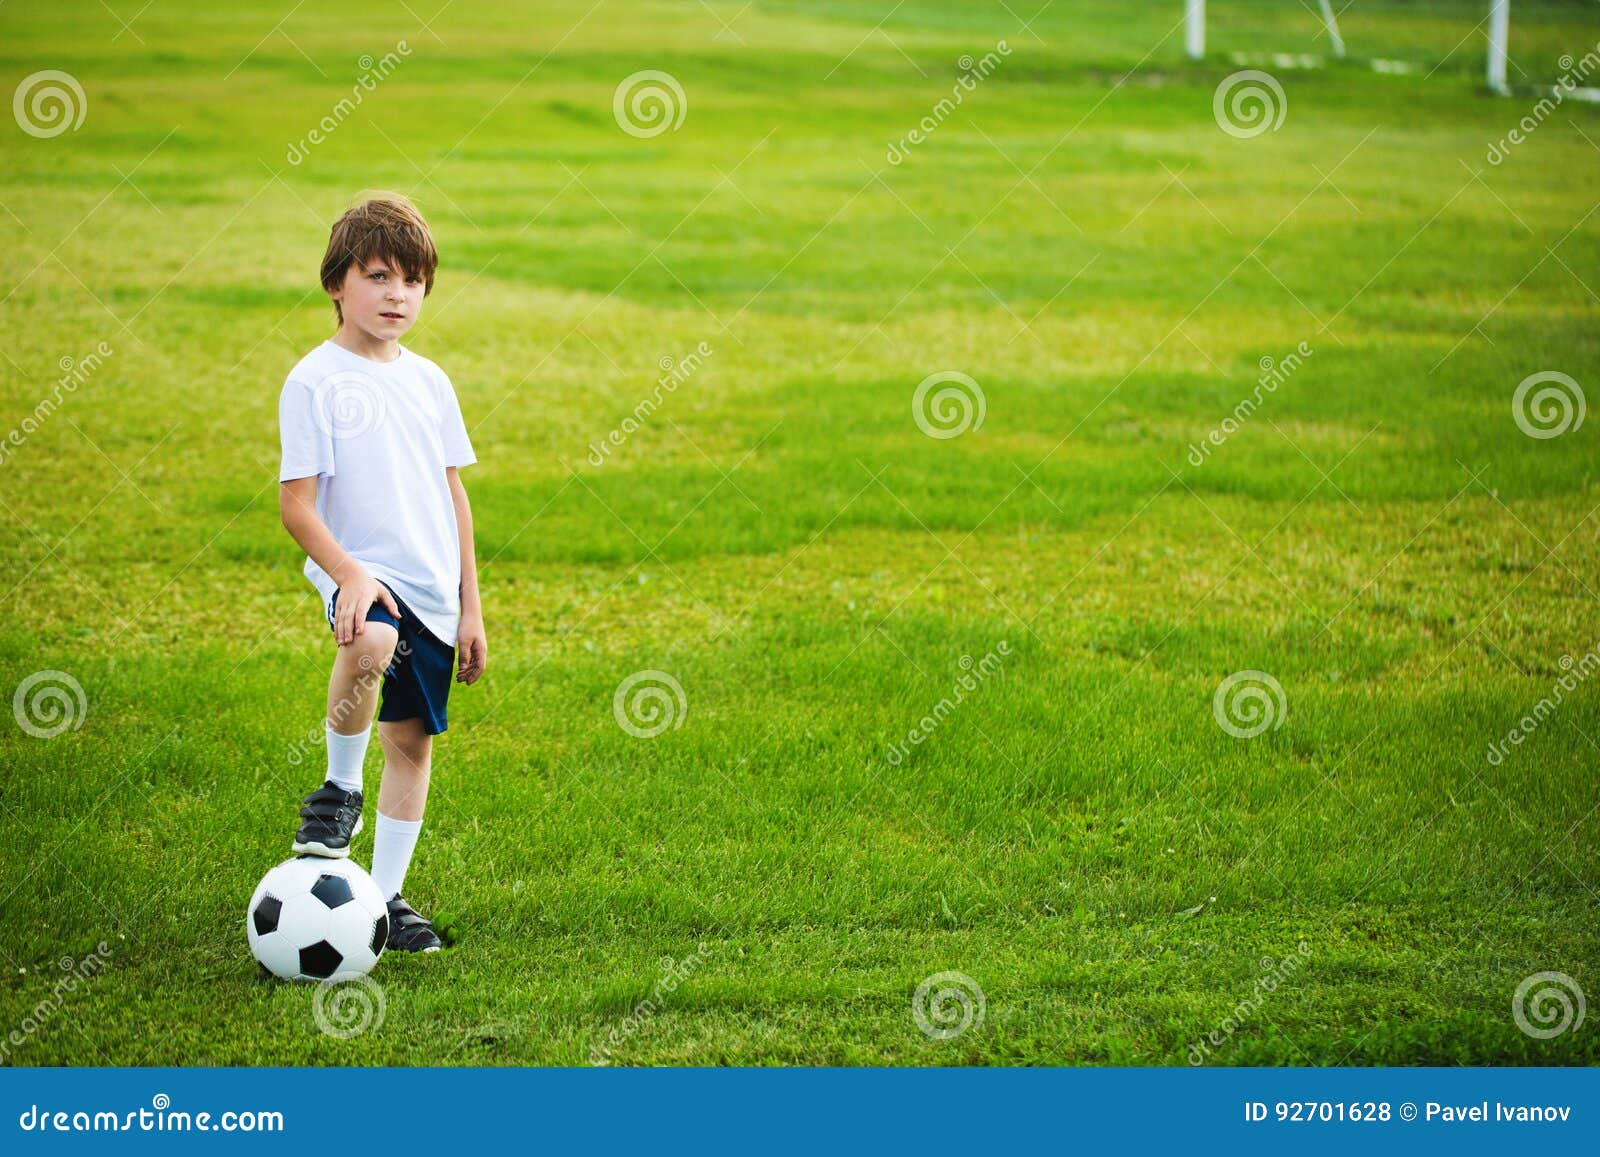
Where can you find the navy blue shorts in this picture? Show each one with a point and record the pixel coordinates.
(416, 684)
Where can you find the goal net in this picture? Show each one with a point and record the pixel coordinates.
(1501, 45)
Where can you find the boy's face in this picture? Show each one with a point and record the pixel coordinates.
(380, 298)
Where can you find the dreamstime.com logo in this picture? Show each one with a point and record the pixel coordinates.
(1548, 1004)
(1274, 372)
(674, 372)
(947, 1004)
(49, 103)
(317, 734)
(649, 103)
(348, 404)
(78, 974)
(372, 73)
(348, 1007)
(74, 373)
(974, 673)
(973, 72)
(1249, 103)
(1247, 703)
(1274, 974)
(160, 1117)
(1573, 74)
(648, 703)
(673, 973)
(1549, 412)
(48, 703)
(956, 406)
(1573, 673)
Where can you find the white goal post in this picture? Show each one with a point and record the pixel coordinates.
(1194, 28)
(1499, 26)
(1194, 36)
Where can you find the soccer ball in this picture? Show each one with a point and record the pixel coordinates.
(315, 918)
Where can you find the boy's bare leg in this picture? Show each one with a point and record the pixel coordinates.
(357, 676)
(407, 760)
(331, 815)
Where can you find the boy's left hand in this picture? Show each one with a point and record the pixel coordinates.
(472, 648)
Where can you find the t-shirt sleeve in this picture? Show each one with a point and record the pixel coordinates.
(453, 430)
(307, 444)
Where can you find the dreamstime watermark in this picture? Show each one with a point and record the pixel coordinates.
(649, 702)
(74, 372)
(972, 72)
(1276, 972)
(1576, 672)
(348, 1007)
(47, 703)
(348, 404)
(974, 675)
(77, 972)
(1567, 83)
(317, 735)
(649, 103)
(958, 405)
(156, 1119)
(673, 374)
(1548, 1004)
(948, 1004)
(673, 973)
(1273, 375)
(1247, 703)
(1556, 409)
(49, 103)
(372, 73)
(1248, 103)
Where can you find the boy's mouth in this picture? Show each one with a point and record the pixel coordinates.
(393, 316)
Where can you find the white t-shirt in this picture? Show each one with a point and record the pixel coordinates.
(379, 435)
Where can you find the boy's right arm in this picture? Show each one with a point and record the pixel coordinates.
(297, 506)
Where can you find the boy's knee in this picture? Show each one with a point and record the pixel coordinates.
(373, 648)
(409, 742)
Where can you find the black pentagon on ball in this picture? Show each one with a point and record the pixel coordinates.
(332, 890)
(380, 935)
(320, 960)
(266, 915)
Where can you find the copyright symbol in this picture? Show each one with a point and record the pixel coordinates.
(1408, 1111)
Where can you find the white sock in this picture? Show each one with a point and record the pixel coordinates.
(345, 753)
(391, 853)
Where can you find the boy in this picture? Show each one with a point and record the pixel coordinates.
(372, 440)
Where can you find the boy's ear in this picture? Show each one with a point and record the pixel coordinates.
(338, 292)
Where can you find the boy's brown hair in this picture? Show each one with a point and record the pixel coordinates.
(382, 225)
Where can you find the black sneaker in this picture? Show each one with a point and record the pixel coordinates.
(332, 818)
(409, 932)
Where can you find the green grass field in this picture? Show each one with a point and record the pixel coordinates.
(1114, 870)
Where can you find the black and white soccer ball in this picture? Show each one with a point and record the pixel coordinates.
(315, 918)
